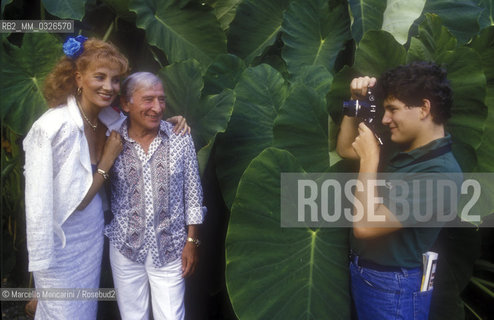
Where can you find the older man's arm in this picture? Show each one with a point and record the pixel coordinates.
(190, 254)
(194, 210)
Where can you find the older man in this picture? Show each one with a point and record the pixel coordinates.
(157, 206)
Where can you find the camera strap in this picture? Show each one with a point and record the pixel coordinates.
(433, 154)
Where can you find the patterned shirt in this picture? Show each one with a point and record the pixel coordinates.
(155, 195)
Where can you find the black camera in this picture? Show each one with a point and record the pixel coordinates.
(365, 110)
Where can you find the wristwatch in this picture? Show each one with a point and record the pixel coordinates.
(194, 241)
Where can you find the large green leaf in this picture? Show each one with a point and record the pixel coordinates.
(276, 273)
(484, 45)
(191, 32)
(468, 83)
(67, 9)
(399, 17)
(4, 4)
(367, 15)
(215, 114)
(225, 11)
(340, 91)
(21, 79)
(378, 51)
(313, 34)
(121, 9)
(183, 3)
(208, 115)
(487, 17)
(224, 72)
(315, 77)
(433, 39)
(435, 43)
(183, 85)
(301, 127)
(460, 17)
(260, 92)
(255, 27)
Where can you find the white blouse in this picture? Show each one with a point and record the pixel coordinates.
(58, 175)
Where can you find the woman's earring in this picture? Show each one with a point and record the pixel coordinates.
(79, 91)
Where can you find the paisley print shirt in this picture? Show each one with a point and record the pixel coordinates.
(155, 195)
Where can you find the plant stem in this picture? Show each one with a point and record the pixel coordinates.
(472, 311)
(482, 287)
(109, 31)
(485, 282)
(41, 10)
(155, 56)
(484, 265)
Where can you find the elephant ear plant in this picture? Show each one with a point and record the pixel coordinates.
(261, 83)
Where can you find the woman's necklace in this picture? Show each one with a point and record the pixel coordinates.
(94, 126)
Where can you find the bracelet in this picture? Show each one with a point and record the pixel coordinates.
(103, 173)
(194, 241)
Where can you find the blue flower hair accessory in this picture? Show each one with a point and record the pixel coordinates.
(73, 47)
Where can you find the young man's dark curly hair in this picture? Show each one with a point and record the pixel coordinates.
(416, 81)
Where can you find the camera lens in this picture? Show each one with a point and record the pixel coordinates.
(350, 108)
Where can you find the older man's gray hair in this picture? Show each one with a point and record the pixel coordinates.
(138, 80)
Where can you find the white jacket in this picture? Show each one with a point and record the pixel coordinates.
(58, 175)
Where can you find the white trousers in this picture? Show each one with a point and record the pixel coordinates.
(134, 281)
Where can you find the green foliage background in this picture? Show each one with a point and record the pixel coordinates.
(261, 84)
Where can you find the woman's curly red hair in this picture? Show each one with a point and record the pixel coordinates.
(60, 82)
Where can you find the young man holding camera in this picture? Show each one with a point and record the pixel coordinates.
(386, 258)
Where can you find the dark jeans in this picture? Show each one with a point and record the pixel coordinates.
(389, 295)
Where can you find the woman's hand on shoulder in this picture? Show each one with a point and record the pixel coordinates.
(180, 125)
